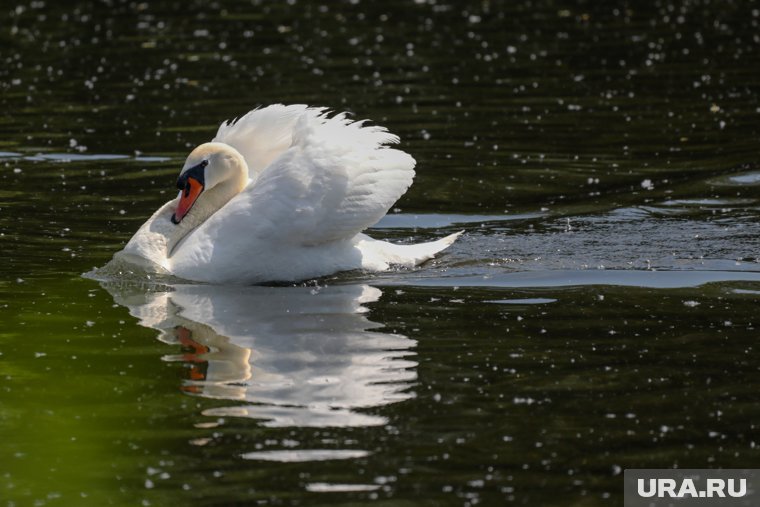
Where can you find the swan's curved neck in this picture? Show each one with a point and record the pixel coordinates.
(159, 237)
(209, 202)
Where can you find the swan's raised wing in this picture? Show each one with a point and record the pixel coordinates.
(336, 179)
(263, 134)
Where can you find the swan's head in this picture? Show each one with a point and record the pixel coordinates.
(209, 166)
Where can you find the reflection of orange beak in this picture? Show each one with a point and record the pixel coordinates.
(190, 193)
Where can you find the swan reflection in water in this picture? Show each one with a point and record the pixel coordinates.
(289, 356)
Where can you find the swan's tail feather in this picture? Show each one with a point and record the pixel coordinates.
(378, 255)
(425, 251)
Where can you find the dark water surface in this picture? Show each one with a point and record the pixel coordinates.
(600, 313)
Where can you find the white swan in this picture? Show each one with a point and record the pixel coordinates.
(281, 194)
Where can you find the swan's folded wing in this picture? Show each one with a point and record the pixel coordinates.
(336, 179)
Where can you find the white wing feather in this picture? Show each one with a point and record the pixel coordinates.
(333, 180)
(264, 134)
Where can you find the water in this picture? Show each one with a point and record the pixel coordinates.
(598, 314)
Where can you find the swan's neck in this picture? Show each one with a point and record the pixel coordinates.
(159, 238)
(210, 201)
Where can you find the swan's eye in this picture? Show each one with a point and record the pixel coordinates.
(196, 172)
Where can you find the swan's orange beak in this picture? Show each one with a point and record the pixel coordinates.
(190, 193)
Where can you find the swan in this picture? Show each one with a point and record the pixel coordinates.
(281, 194)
